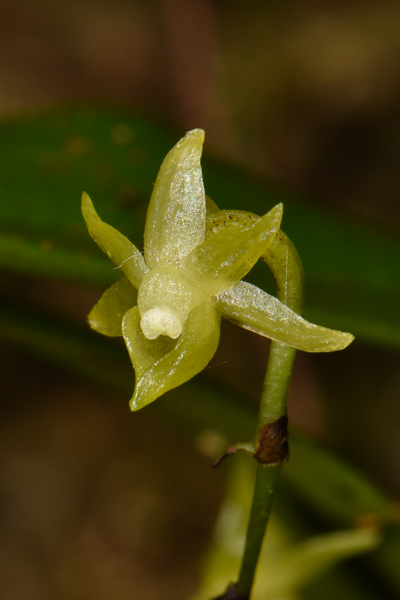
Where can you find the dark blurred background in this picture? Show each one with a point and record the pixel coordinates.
(305, 94)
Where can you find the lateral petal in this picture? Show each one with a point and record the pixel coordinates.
(176, 215)
(163, 364)
(106, 316)
(226, 256)
(254, 309)
(117, 247)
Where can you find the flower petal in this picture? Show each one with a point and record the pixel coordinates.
(281, 256)
(254, 309)
(227, 256)
(163, 364)
(176, 215)
(142, 351)
(106, 316)
(117, 247)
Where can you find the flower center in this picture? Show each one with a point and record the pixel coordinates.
(161, 320)
(165, 300)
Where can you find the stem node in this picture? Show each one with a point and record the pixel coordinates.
(272, 444)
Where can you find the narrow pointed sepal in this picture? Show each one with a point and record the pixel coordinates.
(176, 216)
(117, 247)
(164, 364)
(106, 316)
(226, 257)
(254, 309)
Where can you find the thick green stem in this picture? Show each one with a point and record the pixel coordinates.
(286, 267)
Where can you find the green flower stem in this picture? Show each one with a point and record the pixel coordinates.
(286, 267)
(273, 404)
(272, 407)
(264, 488)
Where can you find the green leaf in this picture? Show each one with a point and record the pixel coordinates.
(48, 159)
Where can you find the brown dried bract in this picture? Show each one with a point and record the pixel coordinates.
(272, 445)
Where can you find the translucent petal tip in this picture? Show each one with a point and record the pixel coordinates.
(85, 198)
(87, 206)
(278, 209)
(194, 134)
(344, 340)
(192, 140)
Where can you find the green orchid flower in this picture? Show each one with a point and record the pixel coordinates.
(169, 302)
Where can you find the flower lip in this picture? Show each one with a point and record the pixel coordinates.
(161, 320)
